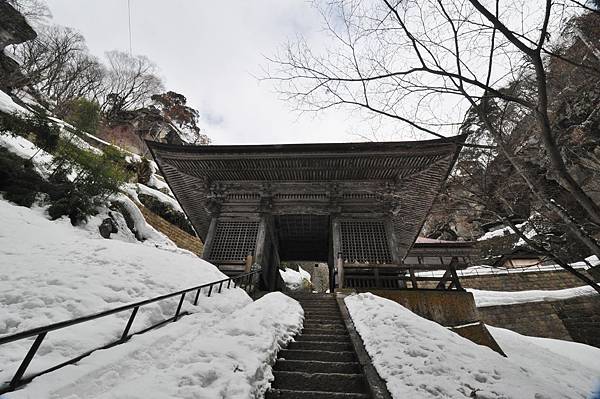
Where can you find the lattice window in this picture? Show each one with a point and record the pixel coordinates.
(364, 241)
(233, 240)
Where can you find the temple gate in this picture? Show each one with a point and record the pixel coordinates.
(356, 206)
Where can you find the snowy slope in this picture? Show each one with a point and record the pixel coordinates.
(421, 359)
(225, 354)
(50, 271)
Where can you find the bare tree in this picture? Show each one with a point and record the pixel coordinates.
(406, 60)
(57, 63)
(35, 11)
(130, 82)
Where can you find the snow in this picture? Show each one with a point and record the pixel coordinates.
(493, 298)
(26, 149)
(8, 105)
(138, 188)
(50, 271)
(225, 352)
(421, 359)
(511, 343)
(295, 280)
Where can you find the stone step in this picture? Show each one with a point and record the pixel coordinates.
(323, 319)
(317, 309)
(290, 394)
(317, 367)
(321, 356)
(322, 346)
(310, 295)
(310, 324)
(326, 382)
(321, 312)
(324, 331)
(322, 337)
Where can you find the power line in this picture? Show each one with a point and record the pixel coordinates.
(129, 20)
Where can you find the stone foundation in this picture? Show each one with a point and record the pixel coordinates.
(519, 281)
(575, 319)
(453, 309)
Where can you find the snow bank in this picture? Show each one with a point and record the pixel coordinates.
(295, 280)
(8, 105)
(493, 298)
(421, 359)
(50, 271)
(512, 344)
(134, 189)
(227, 353)
(24, 148)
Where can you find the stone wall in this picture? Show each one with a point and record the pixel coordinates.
(575, 319)
(181, 238)
(546, 280)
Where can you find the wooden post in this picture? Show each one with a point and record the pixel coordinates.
(249, 262)
(392, 241)
(336, 243)
(340, 270)
(260, 253)
(210, 236)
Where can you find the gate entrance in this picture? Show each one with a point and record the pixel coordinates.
(303, 237)
(356, 206)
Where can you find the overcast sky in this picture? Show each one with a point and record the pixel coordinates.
(209, 51)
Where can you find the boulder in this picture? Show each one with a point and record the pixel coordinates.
(107, 227)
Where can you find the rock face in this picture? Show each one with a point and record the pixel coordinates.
(14, 29)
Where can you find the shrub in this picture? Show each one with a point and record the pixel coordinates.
(97, 177)
(167, 212)
(20, 182)
(46, 134)
(83, 114)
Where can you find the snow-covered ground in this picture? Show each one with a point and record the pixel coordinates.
(8, 105)
(223, 353)
(421, 359)
(51, 271)
(491, 298)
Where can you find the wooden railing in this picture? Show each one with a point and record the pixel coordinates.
(246, 281)
(394, 276)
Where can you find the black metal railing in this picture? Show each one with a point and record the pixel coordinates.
(246, 281)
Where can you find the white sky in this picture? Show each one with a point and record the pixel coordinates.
(209, 51)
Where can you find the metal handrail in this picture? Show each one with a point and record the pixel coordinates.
(245, 281)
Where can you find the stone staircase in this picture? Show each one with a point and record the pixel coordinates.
(321, 363)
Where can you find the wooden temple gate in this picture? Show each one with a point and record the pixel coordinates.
(356, 206)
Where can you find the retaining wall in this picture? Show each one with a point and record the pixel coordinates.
(181, 238)
(523, 281)
(575, 319)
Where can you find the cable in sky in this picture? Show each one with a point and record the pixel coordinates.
(129, 20)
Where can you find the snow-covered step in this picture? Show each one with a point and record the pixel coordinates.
(325, 382)
(322, 345)
(324, 356)
(317, 367)
(289, 394)
(323, 337)
(324, 331)
(321, 363)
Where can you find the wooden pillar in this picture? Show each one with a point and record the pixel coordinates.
(261, 242)
(210, 236)
(392, 241)
(336, 242)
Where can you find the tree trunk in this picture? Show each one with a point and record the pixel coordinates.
(564, 265)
